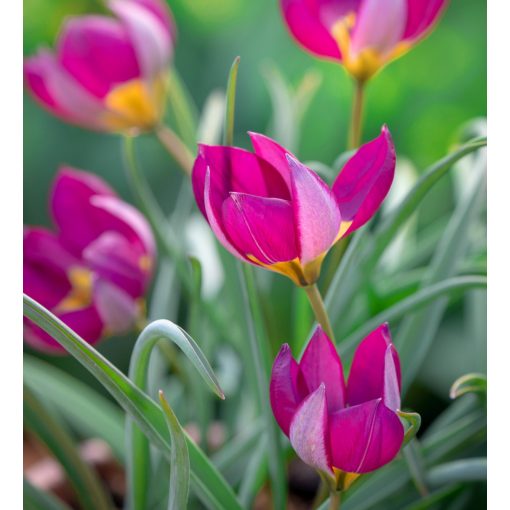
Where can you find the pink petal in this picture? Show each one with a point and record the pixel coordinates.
(305, 24)
(321, 364)
(364, 437)
(283, 388)
(45, 266)
(375, 371)
(309, 431)
(316, 213)
(273, 153)
(379, 27)
(98, 53)
(421, 15)
(151, 39)
(259, 226)
(118, 310)
(114, 259)
(160, 9)
(365, 180)
(60, 93)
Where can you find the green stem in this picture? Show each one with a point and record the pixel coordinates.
(175, 147)
(354, 140)
(261, 360)
(334, 500)
(319, 309)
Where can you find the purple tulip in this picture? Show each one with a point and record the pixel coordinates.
(362, 34)
(94, 270)
(269, 209)
(107, 73)
(337, 427)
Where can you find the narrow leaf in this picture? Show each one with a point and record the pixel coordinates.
(414, 422)
(466, 470)
(228, 135)
(179, 460)
(469, 383)
(36, 499)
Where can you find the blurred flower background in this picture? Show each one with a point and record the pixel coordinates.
(424, 97)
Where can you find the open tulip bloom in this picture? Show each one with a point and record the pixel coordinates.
(92, 272)
(269, 209)
(362, 34)
(342, 430)
(107, 73)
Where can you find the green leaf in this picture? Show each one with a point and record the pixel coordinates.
(179, 460)
(469, 383)
(84, 409)
(212, 118)
(207, 482)
(228, 135)
(414, 421)
(434, 498)
(414, 459)
(36, 499)
(466, 470)
(417, 300)
(138, 464)
(87, 486)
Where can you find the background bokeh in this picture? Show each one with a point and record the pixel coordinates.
(424, 98)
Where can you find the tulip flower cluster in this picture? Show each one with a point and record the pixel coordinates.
(94, 270)
(268, 209)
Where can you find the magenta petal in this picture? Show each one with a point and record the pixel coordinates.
(309, 431)
(283, 388)
(375, 371)
(316, 214)
(321, 364)
(379, 29)
(117, 309)
(112, 258)
(60, 93)
(306, 25)
(98, 52)
(261, 227)
(365, 180)
(151, 39)
(364, 437)
(273, 153)
(421, 15)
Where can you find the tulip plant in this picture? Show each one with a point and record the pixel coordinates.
(243, 434)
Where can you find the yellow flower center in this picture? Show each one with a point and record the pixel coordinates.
(80, 295)
(135, 104)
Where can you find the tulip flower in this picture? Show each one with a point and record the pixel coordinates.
(107, 73)
(342, 430)
(272, 211)
(92, 271)
(363, 35)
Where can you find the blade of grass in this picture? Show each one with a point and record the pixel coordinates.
(138, 465)
(230, 106)
(36, 499)
(465, 470)
(84, 409)
(179, 460)
(206, 480)
(88, 488)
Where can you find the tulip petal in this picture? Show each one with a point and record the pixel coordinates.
(160, 9)
(379, 27)
(421, 15)
(309, 431)
(375, 371)
(365, 180)
(316, 213)
(261, 227)
(117, 309)
(321, 364)
(60, 93)
(364, 437)
(97, 52)
(112, 258)
(283, 388)
(151, 39)
(305, 24)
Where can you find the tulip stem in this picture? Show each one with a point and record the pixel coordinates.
(354, 140)
(175, 147)
(319, 309)
(334, 500)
